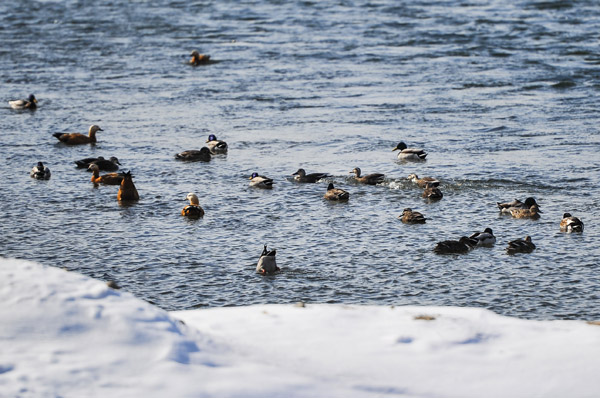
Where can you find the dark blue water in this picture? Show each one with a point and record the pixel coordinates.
(504, 97)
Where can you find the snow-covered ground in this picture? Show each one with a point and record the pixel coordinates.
(63, 334)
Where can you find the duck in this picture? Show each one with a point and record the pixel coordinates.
(370, 179)
(106, 179)
(461, 246)
(78, 138)
(216, 146)
(520, 246)
(423, 182)
(507, 207)
(193, 210)
(571, 224)
(532, 212)
(485, 238)
(432, 193)
(259, 181)
(267, 264)
(40, 172)
(336, 193)
(409, 216)
(127, 190)
(301, 176)
(85, 162)
(409, 153)
(29, 103)
(112, 164)
(199, 59)
(194, 155)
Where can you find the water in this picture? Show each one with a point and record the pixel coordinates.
(503, 97)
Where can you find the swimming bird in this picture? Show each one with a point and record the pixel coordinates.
(461, 246)
(78, 138)
(571, 224)
(301, 176)
(520, 246)
(216, 146)
(409, 153)
(507, 207)
(193, 210)
(29, 103)
(194, 155)
(432, 193)
(370, 179)
(199, 59)
(112, 164)
(266, 263)
(336, 193)
(423, 182)
(127, 190)
(485, 238)
(532, 212)
(40, 172)
(258, 181)
(409, 216)
(85, 163)
(106, 179)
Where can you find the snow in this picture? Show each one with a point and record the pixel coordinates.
(64, 334)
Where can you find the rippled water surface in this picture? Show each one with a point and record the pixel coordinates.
(504, 97)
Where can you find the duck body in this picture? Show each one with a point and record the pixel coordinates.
(412, 217)
(216, 146)
(532, 212)
(409, 153)
(423, 182)
(112, 164)
(259, 181)
(336, 193)
(301, 176)
(29, 103)
(40, 172)
(432, 193)
(508, 207)
(194, 155)
(193, 210)
(370, 179)
(267, 264)
(461, 246)
(199, 59)
(127, 190)
(78, 138)
(520, 246)
(571, 224)
(485, 238)
(105, 179)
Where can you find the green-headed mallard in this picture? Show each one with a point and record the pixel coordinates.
(259, 181)
(29, 103)
(409, 153)
(216, 146)
(485, 238)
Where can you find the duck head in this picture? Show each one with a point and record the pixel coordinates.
(211, 137)
(31, 98)
(356, 171)
(300, 173)
(401, 146)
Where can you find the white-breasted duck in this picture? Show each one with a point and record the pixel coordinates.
(409, 153)
(29, 103)
(259, 181)
(485, 238)
(40, 172)
(570, 223)
(216, 146)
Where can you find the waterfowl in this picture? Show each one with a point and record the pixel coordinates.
(267, 263)
(520, 246)
(194, 155)
(432, 193)
(216, 146)
(571, 224)
(199, 59)
(78, 138)
(423, 182)
(370, 179)
(127, 189)
(301, 176)
(461, 246)
(409, 216)
(85, 163)
(112, 164)
(40, 172)
(336, 193)
(29, 103)
(485, 238)
(532, 212)
(409, 153)
(261, 181)
(507, 207)
(193, 210)
(106, 179)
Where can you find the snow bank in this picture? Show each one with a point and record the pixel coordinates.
(63, 334)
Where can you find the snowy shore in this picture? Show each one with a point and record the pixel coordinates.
(64, 334)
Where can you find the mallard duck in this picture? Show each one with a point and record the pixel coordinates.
(194, 155)
(216, 146)
(461, 246)
(261, 181)
(485, 238)
(532, 212)
(199, 59)
(520, 246)
(29, 103)
(78, 138)
(40, 172)
(409, 153)
(301, 176)
(127, 190)
(106, 179)
(193, 210)
(409, 216)
(370, 179)
(423, 182)
(571, 224)
(507, 207)
(432, 193)
(267, 263)
(336, 193)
